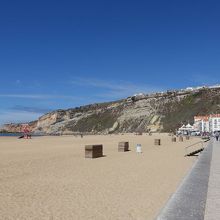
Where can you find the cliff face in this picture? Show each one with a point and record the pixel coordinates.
(160, 111)
(16, 128)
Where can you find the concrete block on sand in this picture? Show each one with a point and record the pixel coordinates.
(173, 139)
(180, 138)
(157, 142)
(93, 151)
(123, 146)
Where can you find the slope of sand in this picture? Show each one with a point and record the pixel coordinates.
(49, 178)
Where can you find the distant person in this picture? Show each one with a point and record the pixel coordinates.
(216, 135)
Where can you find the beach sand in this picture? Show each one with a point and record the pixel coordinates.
(50, 178)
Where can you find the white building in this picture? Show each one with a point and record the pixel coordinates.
(214, 123)
(207, 123)
(201, 123)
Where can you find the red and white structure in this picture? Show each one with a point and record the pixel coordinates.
(26, 131)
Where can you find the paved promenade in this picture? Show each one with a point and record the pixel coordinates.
(212, 211)
(200, 185)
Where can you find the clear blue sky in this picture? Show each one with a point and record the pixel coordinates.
(62, 54)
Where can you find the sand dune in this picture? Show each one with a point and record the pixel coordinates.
(49, 178)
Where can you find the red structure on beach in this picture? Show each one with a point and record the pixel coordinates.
(26, 130)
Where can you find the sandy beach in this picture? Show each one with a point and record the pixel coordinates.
(50, 178)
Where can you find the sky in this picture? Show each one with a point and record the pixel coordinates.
(63, 54)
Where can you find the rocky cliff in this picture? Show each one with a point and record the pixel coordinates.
(17, 128)
(141, 113)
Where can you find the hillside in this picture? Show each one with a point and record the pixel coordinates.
(140, 113)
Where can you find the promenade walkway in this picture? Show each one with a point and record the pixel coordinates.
(212, 211)
(198, 196)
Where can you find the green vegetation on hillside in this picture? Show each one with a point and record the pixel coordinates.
(95, 122)
(201, 103)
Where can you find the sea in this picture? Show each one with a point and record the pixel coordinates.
(10, 134)
(20, 134)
